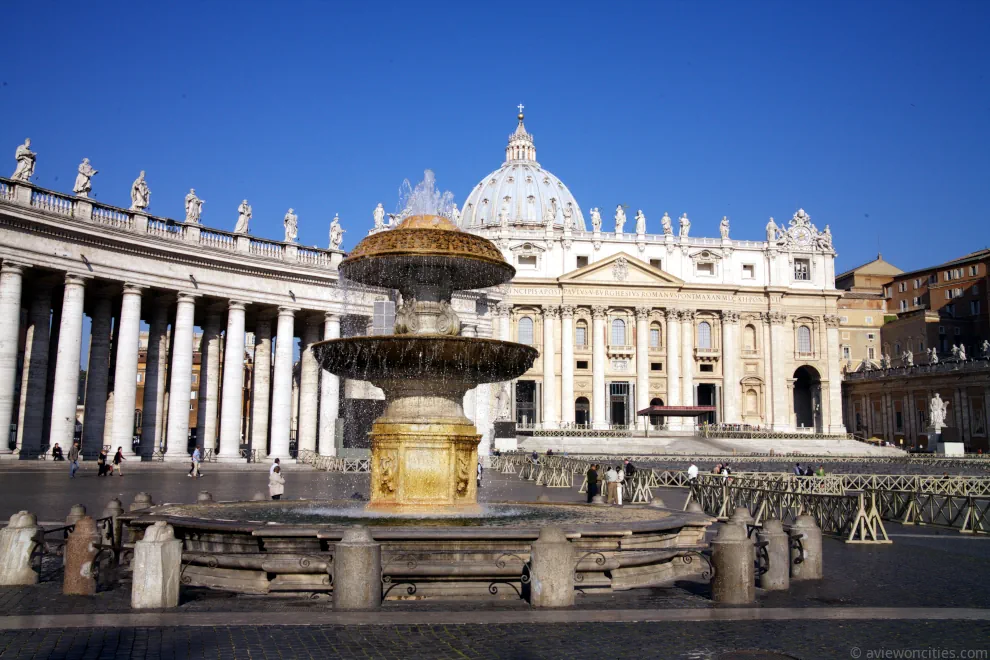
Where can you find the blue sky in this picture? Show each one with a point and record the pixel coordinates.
(874, 117)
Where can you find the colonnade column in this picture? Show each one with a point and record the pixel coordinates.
(35, 373)
(261, 389)
(598, 418)
(673, 362)
(309, 384)
(731, 392)
(209, 380)
(778, 351)
(687, 364)
(155, 366)
(834, 422)
(642, 361)
(177, 435)
(66, 388)
(549, 356)
(233, 385)
(125, 376)
(282, 383)
(11, 287)
(97, 375)
(329, 393)
(567, 364)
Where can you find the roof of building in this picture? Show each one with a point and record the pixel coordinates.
(875, 267)
(967, 258)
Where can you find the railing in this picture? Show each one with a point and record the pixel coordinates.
(220, 240)
(6, 191)
(334, 463)
(112, 217)
(944, 367)
(51, 202)
(709, 431)
(314, 257)
(269, 249)
(165, 228)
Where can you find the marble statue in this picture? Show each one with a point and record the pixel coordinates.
(685, 225)
(550, 214)
(937, 409)
(84, 181)
(620, 219)
(985, 350)
(504, 212)
(455, 215)
(867, 364)
(336, 233)
(243, 218)
(194, 207)
(668, 227)
(502, 402)
(291, 223)
(596, 219)
(824, 239)
(25, 162)
(640, 222)
(907, 358)
(568, 212)
(772, 231)
(932, 356)
(140, 194)
(379, 215)
(962, 353)
(884, 361)
(723, 227)
(955, 352)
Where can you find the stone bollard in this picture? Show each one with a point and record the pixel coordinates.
(114, 510)
(552, 566)
(732, 561)
(598, 500)
(357, 571)
(76, 513)
(80, 552)
(543, 498)
(810, 554)
(741, 516)
(656, 503)
(157, 566)
(777, 578)
(141, 501)
(17, 541)
(259, 497)
(694, 507)
(204, 497)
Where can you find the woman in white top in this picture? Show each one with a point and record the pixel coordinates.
(276, 483)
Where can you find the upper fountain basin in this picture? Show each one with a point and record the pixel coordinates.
(426, 250)
(384, 357)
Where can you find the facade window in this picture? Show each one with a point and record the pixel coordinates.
(383, 318)
(846, 353)
(657, 263)
(526, 260)
(868, 320)
(844, 320)
(749, 272)
(706, 269)
(975, 290)
(526, 331)
(897, 348)
(902, 287)
(870, 336)
(948, 294)
(582, 261)
(916, 302)
(886, 292)
(656, 366)
(752, 402)
(654, 337)
(933, 278)
(903, 305)
(802, 270)
(140, 377)
(804, 340)
(974, 270)
(974, 307)
(749, 338)
(704, 335)
(941, 329)
(582, 364)
(871, 353)
(707, 368)
(921, 346)
(949, 309)
(947, 275)
(618, 332)
(917, 283)
(581, 334)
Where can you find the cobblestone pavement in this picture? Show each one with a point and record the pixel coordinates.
(699, 641)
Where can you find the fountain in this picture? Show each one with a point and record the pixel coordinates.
(424, 450)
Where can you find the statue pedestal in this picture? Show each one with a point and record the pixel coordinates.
(951, 449)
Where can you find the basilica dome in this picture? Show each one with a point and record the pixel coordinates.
(520, 191)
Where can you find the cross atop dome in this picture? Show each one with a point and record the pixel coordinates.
(521, 147)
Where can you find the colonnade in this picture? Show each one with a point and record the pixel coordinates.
(48, 380)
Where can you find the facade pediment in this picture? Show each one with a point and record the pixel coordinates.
(620, 268)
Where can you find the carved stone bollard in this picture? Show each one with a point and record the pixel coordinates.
(656, 503)
(141, 501)
(17, 541)
(204, 497)
(694, 507)
(732, 560)
(598, 500)
(552, 566)
(80, 553)
(114, 510)
(741, 516)
(357, 571)
(157, 566)
(810, 551)
(76, 513)
(777, 577)
(259, 497)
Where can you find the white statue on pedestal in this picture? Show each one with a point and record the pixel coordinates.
(379, 215)
(502, 403)
(336, 233)
(140, 194)
(596, 219)
(955, 352)
(685, 225)
(568, 212)
(25, 162)
(194, 207)
(506, 209)
(937, 409)
(455, 215)
(640, 222)
(985, 349)
(550, 215)
(773, 231)
(907, 358)
(243, 218)
(84, 179)
(620, 219)
(932, 356)
(723, 227)
(962, 353)
(668, 226)
(291, 223)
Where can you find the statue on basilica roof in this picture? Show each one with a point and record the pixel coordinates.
(620, 218)
(668, 227)
(685, 225)
(723, 227)
(596, 219)
(640, 222)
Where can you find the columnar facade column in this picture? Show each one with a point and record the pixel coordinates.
(642, 361)
(233, 385)
(687, 359)
(11, 286)
(282, 383)
(261, 388)
(209, 380)
(567, 364)
(155, 366)
(125, 376)
(180, 373)
(329, 393)
(598, 418)
(66, 387)
(97, 376)
(778, 356)
(834, 423)
(309, 384)
(549, 372)
(673, 362)
(731, 392)
(504, 311)
(34, 374)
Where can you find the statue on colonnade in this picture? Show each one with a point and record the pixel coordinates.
(140, 194)
(194, 207)
(84, 182)
(25, 162)
(244, 213)
(291, 222)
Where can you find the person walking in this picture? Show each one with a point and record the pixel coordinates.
(197, 458)
(592, 481)
(798, 470)
(101, 463)
(118, 461)
(480, 470)
(274, 465)
(620, 482)
(692, 472)
(821, 471)
(630, 469)
(611, 479)
(276, 483)
(73, 460)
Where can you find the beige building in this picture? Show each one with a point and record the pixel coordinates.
(862, 311)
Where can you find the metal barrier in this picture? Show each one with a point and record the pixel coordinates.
(334, 463)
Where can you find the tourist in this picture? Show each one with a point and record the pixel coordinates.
(821, 471)
(620, 482)
(276, 483)
(480, 470)
(611, 479)
(276, 464)
(536, 458)
(118, 461)
(197, 458)
(57, 453)
(717, 469)
(692, 472)
(798, 470)
(592, 482)
(630, 469)
(73, 460)
(101, 463)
